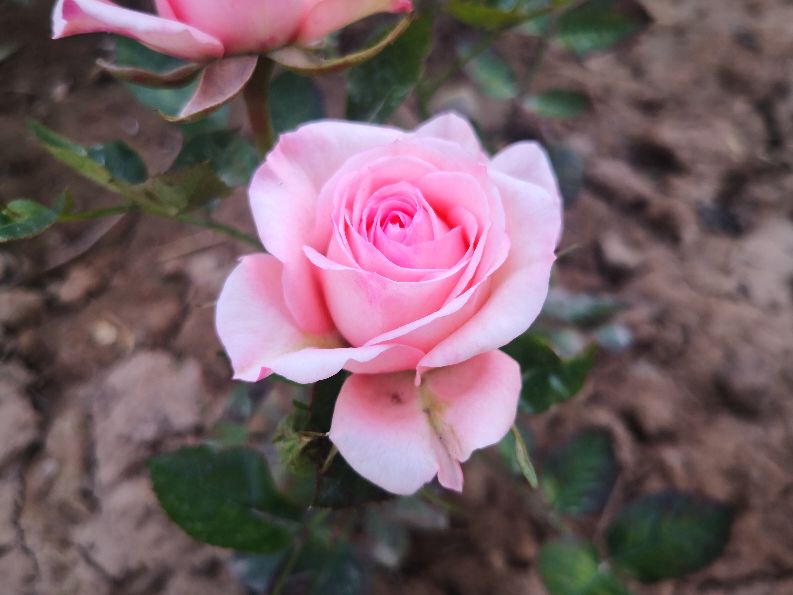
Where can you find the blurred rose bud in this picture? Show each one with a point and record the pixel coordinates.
(202, 30)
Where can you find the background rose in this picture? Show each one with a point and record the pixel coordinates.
(391, 252)
(202, 30)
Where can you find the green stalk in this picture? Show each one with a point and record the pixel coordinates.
(257, 101)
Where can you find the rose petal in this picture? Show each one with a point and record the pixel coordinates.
(400, 436)
(450, 126)
(261, 337)
(327, 16)
(519, 285)
(164, 9)
(72, 17)
(283, 199)
(364, 304)
(220, 82)
(244, 26)
(529, 162)
(284, 190)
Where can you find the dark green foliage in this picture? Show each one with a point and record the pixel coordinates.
(578, 475)
(667, 535)
(378, 87)
(230, 155)
(23, 218)
(224, 497)
(572, 568)
(599, 24)
(547, 379)
(294, 99)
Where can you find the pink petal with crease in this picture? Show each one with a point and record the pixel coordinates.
(399, 436)
(261, 337)
(520, 285)
(73, 17)
(220, 82)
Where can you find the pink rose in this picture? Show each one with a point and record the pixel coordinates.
(201, 30)
(407, 258)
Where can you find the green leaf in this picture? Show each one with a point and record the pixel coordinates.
(378, 87)
(521, 457)
(508, 447)
(289, 441)
(111, 165)
(226, 498)
(294, 99)
(581, 309)
(23, 218)
(569, 168)
(557, 103)
(547, 379)
(227, 433)
(494, 15)
(599, 24)
(490, 72)
(168, 101)
(578, 476)
(324, 566)
(122, 162)
(340, 574)
(572, 568)
(667, 535)
(257, 572)
(232, 157)
(178, 191)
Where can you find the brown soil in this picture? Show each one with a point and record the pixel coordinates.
(108, 355)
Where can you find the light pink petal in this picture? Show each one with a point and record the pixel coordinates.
(261, 337)
(520, 285)
(399, 436)
(243, 26)
(73, 17)
(380, 430)
(364, 304)
(479, 399)
(449, 126)
(372, 259)
(529, 162)
(425, 333)
(327, 16)
(303, 294)
(284, 190)
(283, 198)
(220, 82)
(164, 9)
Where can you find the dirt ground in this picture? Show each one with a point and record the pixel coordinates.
(108, 353)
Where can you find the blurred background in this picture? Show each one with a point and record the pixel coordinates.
(679, 179)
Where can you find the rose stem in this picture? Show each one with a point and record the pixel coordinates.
(256, 96)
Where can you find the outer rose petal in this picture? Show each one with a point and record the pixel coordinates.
(327, 16)
(520, 285)
(220, 82)
(72, 17)
(260, 336)
(164, 9)
(400, 436)
(449, 126)
(243, 26)
(283, 197)
(529, 162)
